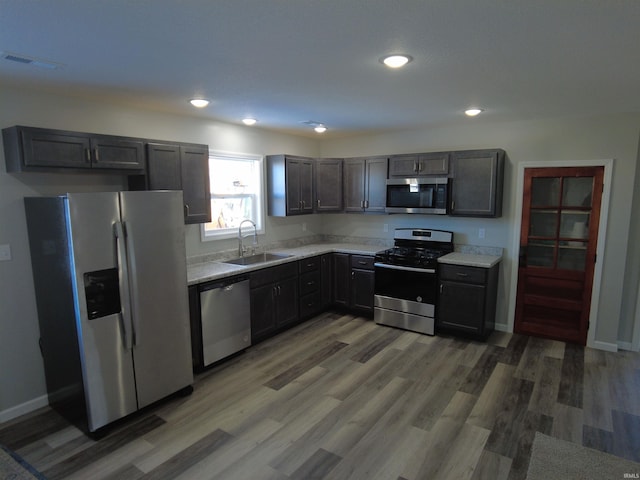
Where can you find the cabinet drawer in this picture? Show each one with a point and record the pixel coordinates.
(363, 262)
(273, 274)
(309, 264)
(309, 282)
(310, 304)
(459, 273)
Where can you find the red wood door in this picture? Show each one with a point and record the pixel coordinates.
(560, 216)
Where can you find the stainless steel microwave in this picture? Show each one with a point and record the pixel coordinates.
(417, 195)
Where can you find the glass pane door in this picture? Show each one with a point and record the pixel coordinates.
(560, 212)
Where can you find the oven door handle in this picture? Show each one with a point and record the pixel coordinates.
(407, 269)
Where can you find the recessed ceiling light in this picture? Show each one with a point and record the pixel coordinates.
(249, 121)
(396, 60)
(320, 128)
(199, 102)
(472, 112)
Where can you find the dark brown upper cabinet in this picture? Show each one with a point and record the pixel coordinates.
(328, 185)
(46, 150)
(289, 185)
(364, 186)
(179, 166)
(477, 178)
(418, 164)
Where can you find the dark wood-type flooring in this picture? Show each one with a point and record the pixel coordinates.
(339, 397)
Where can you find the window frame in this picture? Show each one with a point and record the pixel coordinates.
(208, 236)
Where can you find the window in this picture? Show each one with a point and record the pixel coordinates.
(236, 194)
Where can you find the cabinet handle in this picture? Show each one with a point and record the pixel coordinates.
(453, 205)
(87, 155)
(361, 203)
(95, 154)
(353, 274)
(462, 274)
(304, 204)
(366, 204)
(362, 262)
(186, 209)
(318, 203)
(279, 291)
(441, 288)
(311, 283)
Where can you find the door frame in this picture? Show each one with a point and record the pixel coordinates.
(602, 234)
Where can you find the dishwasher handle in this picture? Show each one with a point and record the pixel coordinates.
(227, 283)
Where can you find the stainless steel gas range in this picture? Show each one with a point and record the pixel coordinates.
(406, 279)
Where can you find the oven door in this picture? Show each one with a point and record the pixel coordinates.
(405, 297)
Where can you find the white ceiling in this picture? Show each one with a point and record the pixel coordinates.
(289, 61)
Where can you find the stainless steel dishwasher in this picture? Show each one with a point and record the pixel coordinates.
(226, 318)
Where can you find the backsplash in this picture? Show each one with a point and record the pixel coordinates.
(315, 239)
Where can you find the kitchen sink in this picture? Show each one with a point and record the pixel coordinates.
(257, 258)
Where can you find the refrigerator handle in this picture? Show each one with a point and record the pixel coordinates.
(123, 281)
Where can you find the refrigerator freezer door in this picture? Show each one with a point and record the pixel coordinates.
(154, 229)
(107, 364)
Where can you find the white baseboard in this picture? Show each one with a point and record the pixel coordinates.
(626, 346)
(502, 327)
(23, 408)
(606, 346)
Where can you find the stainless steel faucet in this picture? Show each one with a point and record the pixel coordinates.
(241, 247)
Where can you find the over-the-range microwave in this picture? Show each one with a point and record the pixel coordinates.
(417, 195)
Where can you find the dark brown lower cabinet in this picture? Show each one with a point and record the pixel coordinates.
(274, 300)
(353, 282)
(467, 300)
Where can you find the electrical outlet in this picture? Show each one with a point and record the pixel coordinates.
(5, 252)
(304, 226)
(481, 233)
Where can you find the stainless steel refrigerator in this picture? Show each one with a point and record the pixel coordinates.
(111, 289)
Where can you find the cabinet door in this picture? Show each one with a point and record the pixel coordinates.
(476, 187)
(328, 182)
(48, 148)
(341, 279)
(293, 176)
(306, 185)
(263, 320)
(163, 166)
(354, 172)
(362, 287)
(194, 165)
(403, 165)
(376, 185)
(117, 153)
(461, 307)
(434, 164)
(286, 295)
(326, 280)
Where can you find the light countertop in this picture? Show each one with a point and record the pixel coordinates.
(470, 259)
(216, 270)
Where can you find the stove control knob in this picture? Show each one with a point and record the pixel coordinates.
(418, 298)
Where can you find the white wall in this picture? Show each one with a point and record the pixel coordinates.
(22, 384)
(605, 137)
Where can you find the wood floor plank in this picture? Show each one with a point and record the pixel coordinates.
(492, 466)
(481, 372)
(546, 386)
(509, 420)
(489, 402)
(318, 466)
(572, 376)
(567, 423)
